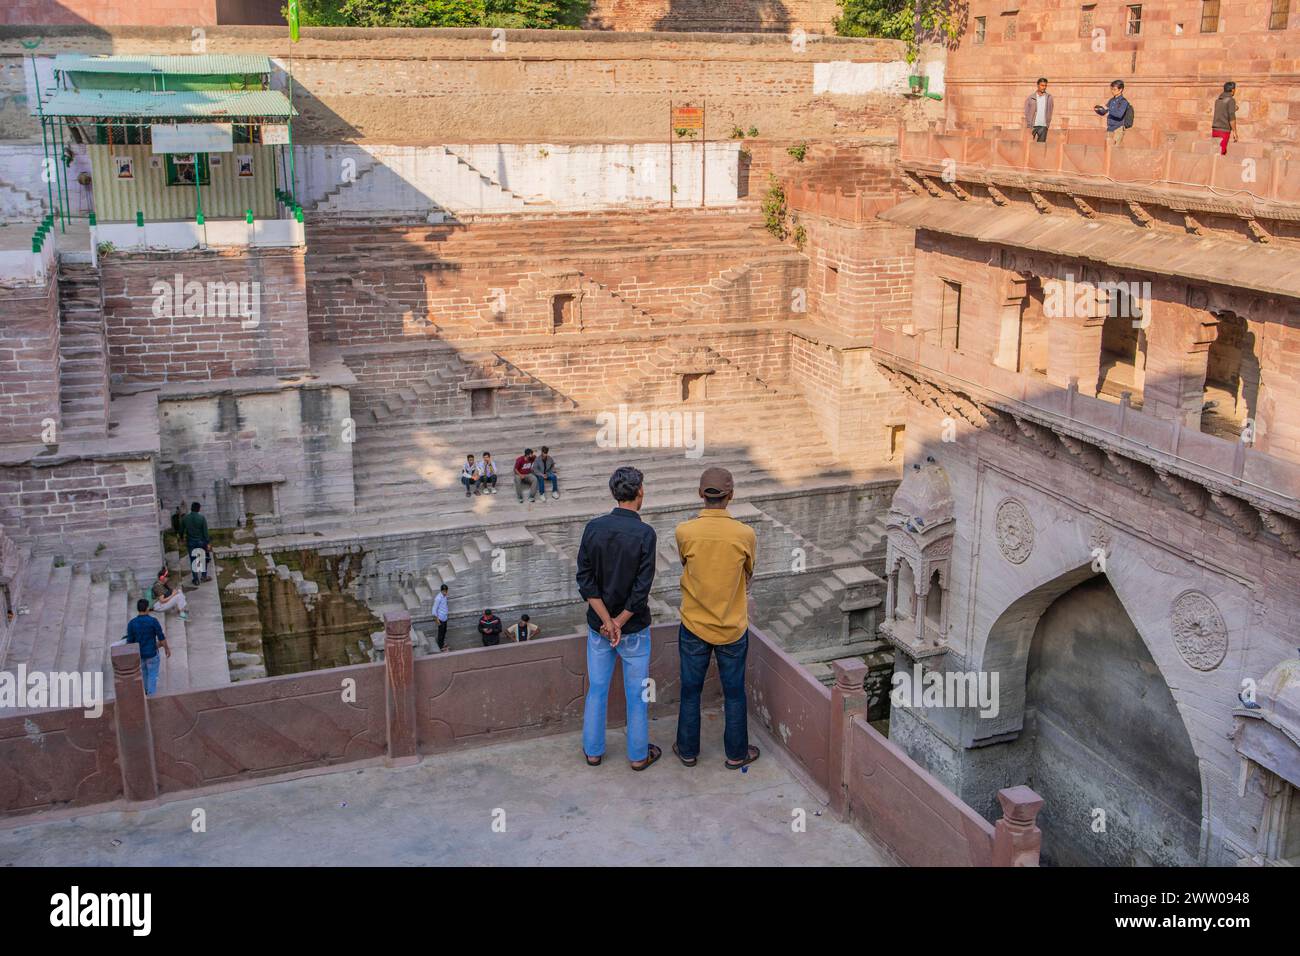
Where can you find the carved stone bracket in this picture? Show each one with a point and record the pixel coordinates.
(1141, 215)
(999, 198)
(1042, 437)
(1041, 204)
(1088, 455)
(1087, 211)
(1287, 529)
(1243, 517)
(1195, 499)
(1136, 475)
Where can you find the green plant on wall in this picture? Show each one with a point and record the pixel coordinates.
(800, 237)
(798, 152)
(775, 211)
(684, 132)
(510, 14)
(912, 21)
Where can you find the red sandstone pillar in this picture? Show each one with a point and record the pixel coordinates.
(134, 735)
(1016, 837)
(399, 665)
(848, 700)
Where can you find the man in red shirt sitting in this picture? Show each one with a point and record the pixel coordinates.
(524, 476)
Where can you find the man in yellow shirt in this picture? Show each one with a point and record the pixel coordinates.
(717, 553)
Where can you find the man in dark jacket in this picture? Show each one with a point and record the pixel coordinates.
(1118, 112)
(1038, 111)
(194, 529)
(1224, 123)
(489, 628)
(616, 567)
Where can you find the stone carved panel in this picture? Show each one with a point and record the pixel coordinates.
(1199, 633)
(1015, 531)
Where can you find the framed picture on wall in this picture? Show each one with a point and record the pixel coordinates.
(155, 162)
(125, 167)
(244, 161)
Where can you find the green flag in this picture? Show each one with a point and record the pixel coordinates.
(293, 20)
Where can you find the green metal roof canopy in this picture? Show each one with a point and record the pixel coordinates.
(192, 64)
(204, 104)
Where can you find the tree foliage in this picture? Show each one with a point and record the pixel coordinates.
(511, 14)
(913, 21)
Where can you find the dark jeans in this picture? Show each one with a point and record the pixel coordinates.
(442, 634)
(1040, 134)
(694, 654)
(191, 547)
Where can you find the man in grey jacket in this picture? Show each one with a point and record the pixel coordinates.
(1038, 111)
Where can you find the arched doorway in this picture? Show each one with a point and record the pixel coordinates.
(1103, 741)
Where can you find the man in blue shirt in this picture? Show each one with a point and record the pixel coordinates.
(1118, 112)
(145, 631)
(440, 615)
(616, 567)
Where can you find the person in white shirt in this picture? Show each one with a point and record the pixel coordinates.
(523, 631)
(488, 474)
(440, 615)
(469, 476)
(1038, 111)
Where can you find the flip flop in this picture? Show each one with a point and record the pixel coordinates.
(652, 754)
(592, 761)
(749, 758)
(691, 762)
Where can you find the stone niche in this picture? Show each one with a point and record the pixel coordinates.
(918, 560)
(1267, 737)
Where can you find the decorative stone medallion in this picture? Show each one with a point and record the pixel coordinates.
(1199, 632)
(1100, 540)
(1014, 530)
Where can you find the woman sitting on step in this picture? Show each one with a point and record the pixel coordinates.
(166, 599)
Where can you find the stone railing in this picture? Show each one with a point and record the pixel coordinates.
(141, 749)
(1256, 171)
(1224, 461)
(850, 207)
(871, 782)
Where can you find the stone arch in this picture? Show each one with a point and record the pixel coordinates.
(1014, 648)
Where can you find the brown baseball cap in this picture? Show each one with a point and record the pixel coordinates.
(716, 482)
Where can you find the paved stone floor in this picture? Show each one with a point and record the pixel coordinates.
(557, 812)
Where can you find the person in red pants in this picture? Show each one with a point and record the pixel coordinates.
(1225, 117)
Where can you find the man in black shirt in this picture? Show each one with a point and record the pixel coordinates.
(616, 567)
(489, 628)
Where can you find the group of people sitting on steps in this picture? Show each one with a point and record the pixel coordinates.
(531, 473)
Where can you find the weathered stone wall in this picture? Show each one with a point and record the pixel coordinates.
(1001, 581)
(100, 511)
(1171, 70)
(399, 87)
(154, 337)
(29, 361)
(1183, 315)
(215, 442)
(714, 16)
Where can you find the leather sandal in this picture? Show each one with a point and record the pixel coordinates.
(686, 761)
(749, 758)
(592, 761)
(652, 754)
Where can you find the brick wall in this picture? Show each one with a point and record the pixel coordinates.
(854, 404)
(72, 507)
(411, 87)
(1171, 77)
(29, 361)
(213, 444)
(718, 16)
(858, 274)
(145, 346)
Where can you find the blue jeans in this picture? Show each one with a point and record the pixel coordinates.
(635, 651)
(541, 489)
(694, 654)
(149, 667)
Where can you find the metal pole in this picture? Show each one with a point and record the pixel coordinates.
(40, 110)
(293, 183)
(671, 184)
(704, 153)
(63, 172)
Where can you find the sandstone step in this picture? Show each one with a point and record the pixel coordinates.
(44, 643)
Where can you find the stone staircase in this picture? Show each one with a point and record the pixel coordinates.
(437, 397)
(656, 382)
(17, 203)
(828, 590)
(408, 474)
(67, 619)
(432, 179)
(83, 352)
(419, 592)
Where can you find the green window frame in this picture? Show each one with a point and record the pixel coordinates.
(178, 174)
